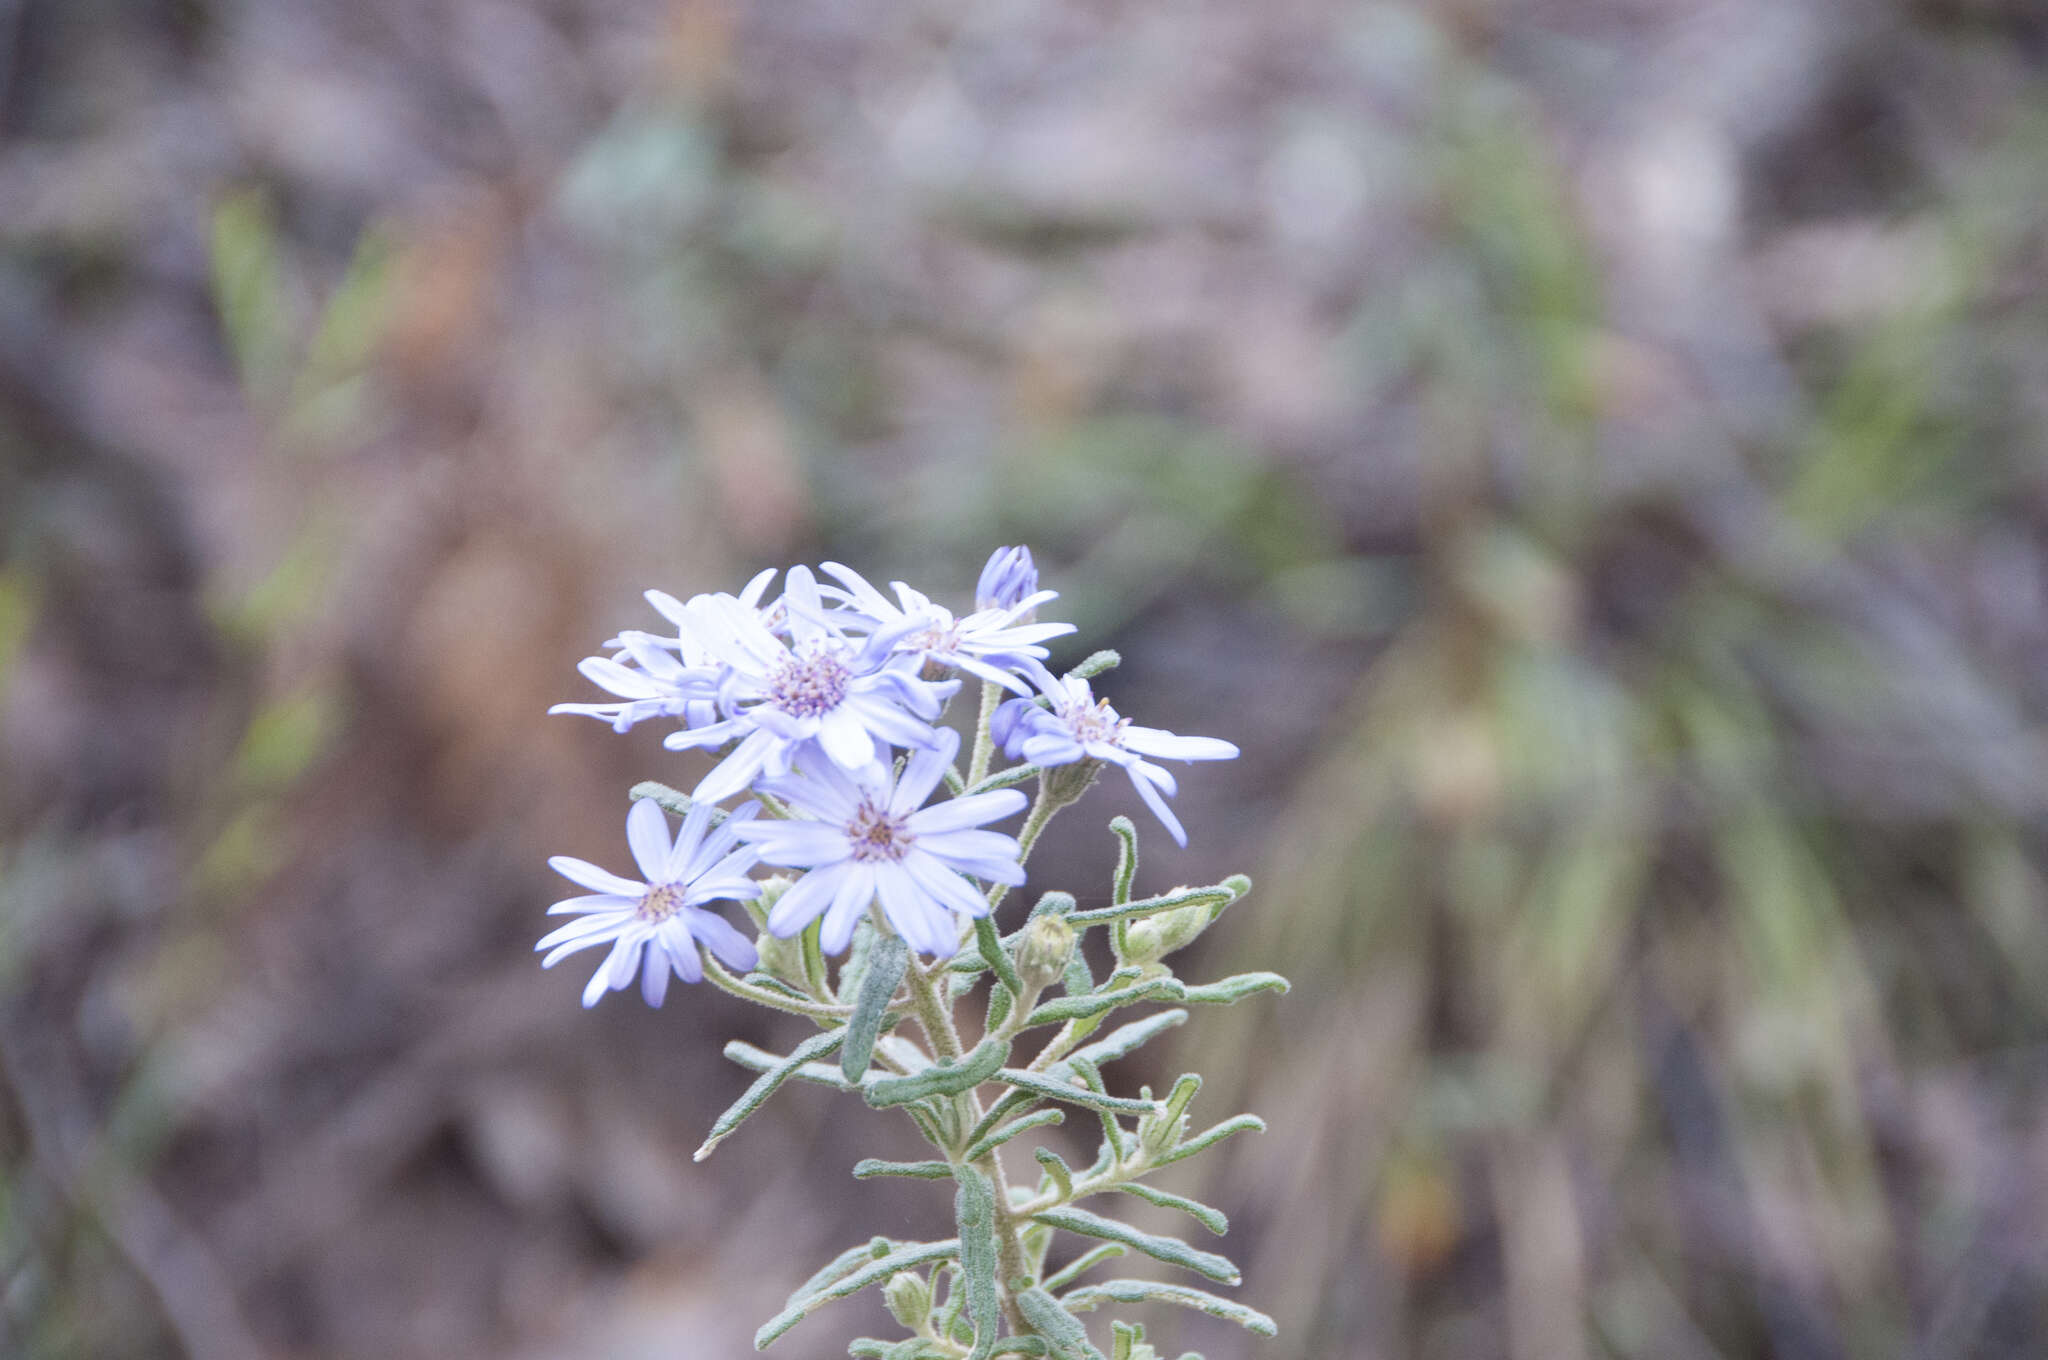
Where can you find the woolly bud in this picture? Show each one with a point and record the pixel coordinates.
(780, 958)
(909, 1299)
(1042, 957)
(1155, 937)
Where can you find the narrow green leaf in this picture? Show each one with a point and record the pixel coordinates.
(989, 1144)
(1065, 1337)
(1003, 779)
(844, 1264)
(1020, 1345)
(1050, 1089)
(940, 1079)
(1090, 1296)
(1215, 898)
(811, 1049)
(1212, 1219)
(888, 958)
(993, 953)
(672, 800)
(877, 1271)
(868, 1168)
(1080, 1265)
(1212, 1136)
(1097, 662)
(814, 958)
(760, 1060)
(1126, 833)
(1171, 1250)
(1234, 989)
(1056, 1167)
(1062, 1009)
(974, 1208)
(1126, 1039)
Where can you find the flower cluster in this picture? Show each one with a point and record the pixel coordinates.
(824, 707)
(810, 695)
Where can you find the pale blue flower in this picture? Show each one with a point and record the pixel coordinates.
(657, 676)
(865, 837)
(1077, 726)
(853, 697)
(654, 927)
(993, 642)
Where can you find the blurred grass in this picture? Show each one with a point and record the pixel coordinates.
(1634, 620)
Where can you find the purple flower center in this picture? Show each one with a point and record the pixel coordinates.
(660, 903)
(809, 686)
(876, 835)
(1096, 722)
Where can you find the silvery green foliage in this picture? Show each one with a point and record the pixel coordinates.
(882, 929)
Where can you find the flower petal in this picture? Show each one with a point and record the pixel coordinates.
(854, 891)
(923, 773)
(587, 875)
(807, 897)
(725, 941)
(1153, 741)
(647, 834)
(973, 810)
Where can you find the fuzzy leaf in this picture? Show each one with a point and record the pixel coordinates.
(982, 1147)
(888, 957)
(811, 1049)
(974, 1208)
(1150, 1291)
(1086, 1261)
(1100, 1003)
(1212, 1219)
(1108, 659)
(1213, 1135)
(1056, 1167)
(1048, 1088)
(877, 1271)
(1126, 1039)
(868, 1168)
(993, 953)
(940, 1079)
(1171, 1250)
(1215, 897)
(1234, 989)
(1126, 833)
(761, 1060)
(672, 800)
(1065, 1337)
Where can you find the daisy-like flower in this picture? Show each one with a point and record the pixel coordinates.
(866, 837)
(847, 694)
(1078, 726)
(994, 642)
(665, 677)
(654, 928)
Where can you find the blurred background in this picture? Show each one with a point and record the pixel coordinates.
(1592, 455)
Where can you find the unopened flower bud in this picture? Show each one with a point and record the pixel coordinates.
(780, 958)
(1008, 579)
(909, 1298)
(1155, 937)
(1042, 957)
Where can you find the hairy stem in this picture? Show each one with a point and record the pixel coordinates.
(984, 739)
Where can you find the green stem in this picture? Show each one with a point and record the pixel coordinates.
(984, 739)
(726, 982)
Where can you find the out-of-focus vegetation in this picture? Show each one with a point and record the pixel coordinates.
(1590, 457)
